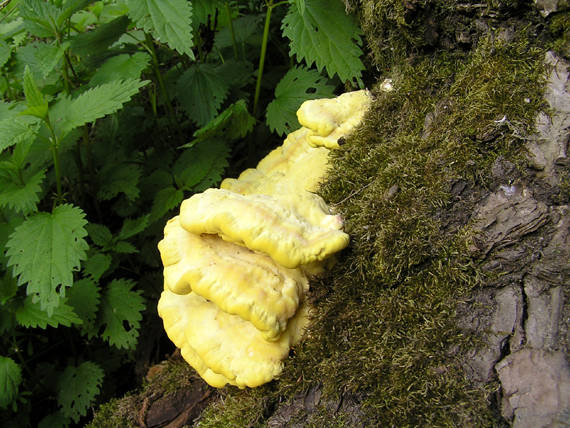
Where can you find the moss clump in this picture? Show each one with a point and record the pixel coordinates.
(559, 26)
(396, 29)
(162, 380)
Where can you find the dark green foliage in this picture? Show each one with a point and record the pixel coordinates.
(111, 113)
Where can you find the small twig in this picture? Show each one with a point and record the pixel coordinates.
(356, 192)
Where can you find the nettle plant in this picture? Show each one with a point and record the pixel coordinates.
(111, 113)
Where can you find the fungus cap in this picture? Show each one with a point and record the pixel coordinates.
(222, 347)
(236, 279)
(292, 230)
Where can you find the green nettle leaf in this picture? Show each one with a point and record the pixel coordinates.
(42, 58)
(121, 314)
(165, 200)
(8, 288)
(93, 104)
(69, 8)
(132, 227)
(202, 163)
(30, 314)
(10, 379)
(40, 17)
(324, 34)
(5, 51)
(169, 21)
(17, 129)
(297, 86)
(84, 298)
(54, 420)
(45, 250)
(124, 247)
(21, 197)
(121, 67)
(234, 122)
(99, 234)
(119, 178)
(96, 265)
(202, 8)
(201, 91)
(77, 388)
(245, 28)
(37, 104)
(94, 46)
(300, 5)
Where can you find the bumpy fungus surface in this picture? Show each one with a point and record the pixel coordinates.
(236, 259)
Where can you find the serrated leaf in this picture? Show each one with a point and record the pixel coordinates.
(202, 8)
(202, 163)
(21, 197)
(120, 67)
(297, 86)
(42, 58)
(40, 17)
(236, 73)
(121, 306)
(119, 178)
(17, 130)
(96, 265)
(45, 250)
(300, 6)
(78, 387)
(324, 34)
(244, 28)
(5, 51)
(99, 234)
(36, 102)
(84, 298)
(69, 8)
(124, 247)
(54, 420)
(93, 104)
(9, 29)
(132, 227)
(10, 379)
(165, 200)
(8, 288)
(234, 122)
(94, 45)
(30, 314)
(169, 21)
(201, 90)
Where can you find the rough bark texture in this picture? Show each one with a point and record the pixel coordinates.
(523, 315)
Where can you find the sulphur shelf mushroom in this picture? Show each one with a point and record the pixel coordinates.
(237, 259)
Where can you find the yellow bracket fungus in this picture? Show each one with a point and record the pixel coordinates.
(236, 259)
(291, 230)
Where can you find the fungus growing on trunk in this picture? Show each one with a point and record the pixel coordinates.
(236, 259)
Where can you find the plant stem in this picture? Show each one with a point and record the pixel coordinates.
(270, 7)
(234, 43)
(262, 58)
(56, 164)
(160, 80)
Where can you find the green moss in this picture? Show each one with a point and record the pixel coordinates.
(384, 327)
(560, 28)
(238, 408)
(170, 377)
(115, 413)
(397, 29)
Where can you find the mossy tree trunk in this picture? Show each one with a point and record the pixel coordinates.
(453, 296)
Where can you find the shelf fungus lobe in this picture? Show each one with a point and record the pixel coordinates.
(236, 259)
